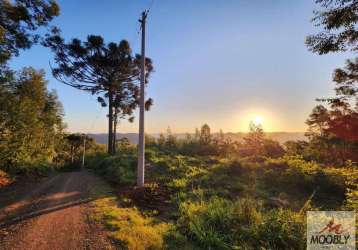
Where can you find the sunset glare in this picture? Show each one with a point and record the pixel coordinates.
(258, 120)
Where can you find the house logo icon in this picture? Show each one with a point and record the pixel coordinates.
(331, 230)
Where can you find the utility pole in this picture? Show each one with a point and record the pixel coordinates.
(141, 143)
(84, 152)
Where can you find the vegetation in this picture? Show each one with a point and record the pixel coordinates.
(31, 122)
(203, 191)
(18, 24)
(222, 200)
(334, 126)
(130, 229)
(109, 70)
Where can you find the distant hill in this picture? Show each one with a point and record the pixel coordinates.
(103, 137)
(281, 137)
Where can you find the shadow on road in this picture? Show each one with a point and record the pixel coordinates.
(59, 192)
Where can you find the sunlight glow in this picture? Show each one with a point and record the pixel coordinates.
(258, 120)
(259, 117)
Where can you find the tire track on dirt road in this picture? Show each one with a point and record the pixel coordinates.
(61, 217)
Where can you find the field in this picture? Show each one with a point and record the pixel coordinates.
(215, 201)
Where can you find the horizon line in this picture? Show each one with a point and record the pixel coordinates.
(74, 132)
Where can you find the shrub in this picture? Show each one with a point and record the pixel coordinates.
(207, 223)
(220, 223)
(118, 169)
(34, 170)
(282, 229)
(295, 175)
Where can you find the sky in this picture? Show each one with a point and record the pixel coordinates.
(223, 63)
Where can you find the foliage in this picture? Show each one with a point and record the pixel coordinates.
(222, 224)
(129, 227)
(297, 176)
(119, 168)
(333, 130)
(203, 143)
(19, 21)
(31, 121)
(108, 70)
(74, 146)
(225, 202)
(282, 229)
(255, 144)
(338, 20)
(352, 191)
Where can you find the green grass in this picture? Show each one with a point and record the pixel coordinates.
(222, 203)
(129, 227)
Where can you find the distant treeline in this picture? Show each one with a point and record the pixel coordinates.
(281, 137)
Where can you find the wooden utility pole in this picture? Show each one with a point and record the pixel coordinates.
(84, 151)
(141, 142)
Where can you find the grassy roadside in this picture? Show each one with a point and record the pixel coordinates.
(216, 203)
(128, 227)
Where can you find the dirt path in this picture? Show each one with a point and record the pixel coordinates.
(53, 214)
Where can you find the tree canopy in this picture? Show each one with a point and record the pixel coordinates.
(30, 120)
(338, 19)
(333, 130)
(108, 70)
(19, 20)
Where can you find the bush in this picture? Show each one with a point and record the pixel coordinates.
(119, 169)
(207, 223)
(33, 170)
(219, 223)
(295, 175)
(282, 229)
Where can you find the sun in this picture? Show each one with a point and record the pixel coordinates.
(258, 120)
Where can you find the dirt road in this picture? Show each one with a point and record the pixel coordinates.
(52, 214)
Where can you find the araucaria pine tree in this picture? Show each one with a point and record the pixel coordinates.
(110, 71)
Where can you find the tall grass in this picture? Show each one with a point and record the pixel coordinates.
(223, 203)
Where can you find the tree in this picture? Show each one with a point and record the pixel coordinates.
(19, 20)
(333, 130)
(339, 21)
(124, 108)
(170, 140)
(333, 134)
(124, 144)
(272, 148)
(75, 142)
(318, 120)
(205, 136)
(108, 70)
(31, 120)
(253, 141)
(295, 147)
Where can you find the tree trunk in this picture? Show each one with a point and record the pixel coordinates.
(72, 154)
(110, 122)
(114, 131)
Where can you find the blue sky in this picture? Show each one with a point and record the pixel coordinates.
(216, 62)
